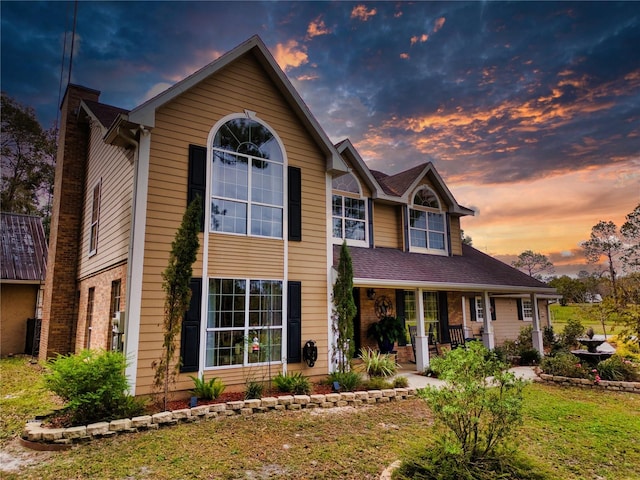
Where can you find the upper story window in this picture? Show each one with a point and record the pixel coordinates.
(427, 225)
(95, 217)
(348, 211)
(247, 192)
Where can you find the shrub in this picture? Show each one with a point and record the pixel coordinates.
(94, 386)
(207, 390)
(529, 357)
(475, 414)
(253, 390)
(525, 340)
(564, 365)
(295, 383)
(619, 369)
(572, 330)
(378, 364)
(548, 336)
(378, 383)
(348, 381)
(400, 382)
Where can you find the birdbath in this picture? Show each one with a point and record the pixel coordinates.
(591, 355)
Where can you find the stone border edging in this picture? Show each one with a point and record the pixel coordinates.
(35, 433)
(629, 387)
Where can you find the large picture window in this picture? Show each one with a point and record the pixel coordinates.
(244, 322)
(427, 228)
(247, 192)
(348, 210)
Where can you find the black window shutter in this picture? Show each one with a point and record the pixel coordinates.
(447, 220)
(472, 308)
(294, 322)
(492, 302)
(405, 219)
(197, 181)
(443, 311)
(295, 204)
(190, 338)
(519, 306)
(400, 313)
(370, 226)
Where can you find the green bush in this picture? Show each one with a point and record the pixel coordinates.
(377, 383)
(572, 330)
(253, 390)
(475, 414)
(348, 381)
(548, 336)
(207, 390)
(529, 357)
(400, 382)
(564, 365)
(525, 340)
(378, 364)
(94, 386)
(619, 369)
(295, 383)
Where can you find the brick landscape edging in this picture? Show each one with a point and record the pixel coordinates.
(36, 432)
(629, 387)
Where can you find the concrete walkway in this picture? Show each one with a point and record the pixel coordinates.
(417, 380)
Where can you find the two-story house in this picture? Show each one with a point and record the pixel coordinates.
(278, 200)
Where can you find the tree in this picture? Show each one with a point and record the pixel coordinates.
(467, 240)
(533, 264)
(604, 241)
(630, 231)
(344, 311)
(176, 279)
(28, 159)
(572, 289)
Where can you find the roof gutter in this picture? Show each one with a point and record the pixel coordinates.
(458, 287)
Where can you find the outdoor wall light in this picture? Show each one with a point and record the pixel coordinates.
(310, 352)
(371, 293)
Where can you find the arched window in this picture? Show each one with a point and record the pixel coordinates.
(349, 212)
(247, 180)
(427, 226)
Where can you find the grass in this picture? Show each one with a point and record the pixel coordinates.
(561, 314)
(569, 433)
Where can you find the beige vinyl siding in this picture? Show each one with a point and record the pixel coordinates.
(456, 239)
(114, 167)
(387, 225)
(186, 120)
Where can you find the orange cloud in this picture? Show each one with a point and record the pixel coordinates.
(404, 56)
(290, 55)
(361, 13)
(438, 24)
(317, 27)
(422, 38)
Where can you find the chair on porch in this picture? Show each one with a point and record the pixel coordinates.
(433, 343)
(456, 336)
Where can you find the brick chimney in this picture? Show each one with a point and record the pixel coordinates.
(59, 314)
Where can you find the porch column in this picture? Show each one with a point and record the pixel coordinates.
(488, 339)
(422, 341)
(536, 334)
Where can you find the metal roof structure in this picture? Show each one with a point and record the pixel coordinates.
(24, 248)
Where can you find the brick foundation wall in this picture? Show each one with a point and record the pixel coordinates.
(59, 306)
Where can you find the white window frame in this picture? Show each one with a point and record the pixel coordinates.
(249, 202)
(95, 218)
(479, 306)
(437, 211)
(524, 308)
(246, 328)
(356, 195)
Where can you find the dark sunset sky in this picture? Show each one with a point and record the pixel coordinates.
(530, 111)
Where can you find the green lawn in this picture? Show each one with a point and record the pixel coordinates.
(569, 433)
(561, 314)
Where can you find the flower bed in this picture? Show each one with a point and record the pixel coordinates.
(37, 432)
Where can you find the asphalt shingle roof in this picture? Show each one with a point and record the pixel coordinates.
(105, 113)
(472, 268)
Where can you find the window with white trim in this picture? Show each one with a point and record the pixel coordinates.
(427, 223)
(348, 211)
(244, 322)
(527, 309)
(95, 217)
(479, 305)
(247, 176)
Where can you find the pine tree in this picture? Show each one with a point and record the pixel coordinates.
(344, 309)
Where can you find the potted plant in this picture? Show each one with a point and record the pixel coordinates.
(387, 331)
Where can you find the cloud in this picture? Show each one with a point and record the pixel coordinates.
(290, 54)
(360, 12)
(419, 38)
(317, 28)
(438, 24)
